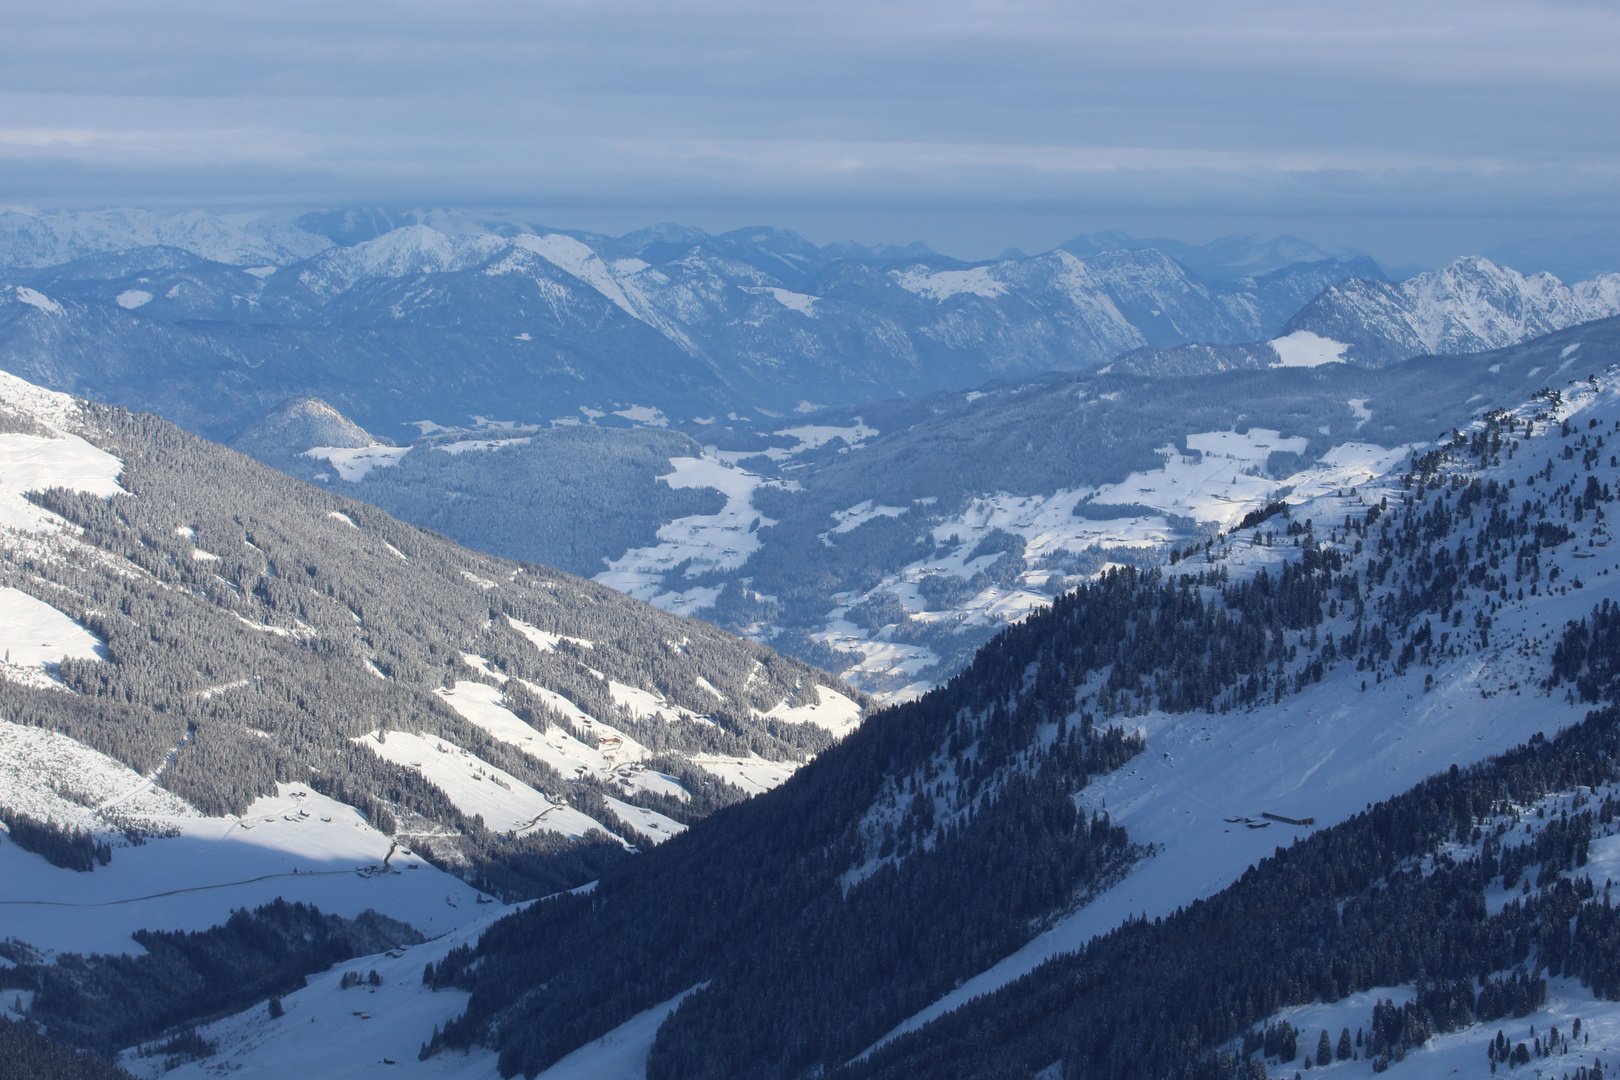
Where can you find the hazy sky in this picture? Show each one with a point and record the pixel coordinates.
(1417, 129)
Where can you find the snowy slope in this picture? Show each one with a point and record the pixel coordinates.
(176, 576)
(299, 845)
(331, 1032)
(1349, 740)
(48, 456)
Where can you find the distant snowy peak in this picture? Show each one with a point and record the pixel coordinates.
(36, 238)
(1473, 305)
(299, 424)
(403, 252)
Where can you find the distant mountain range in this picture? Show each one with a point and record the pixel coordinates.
(672, 322)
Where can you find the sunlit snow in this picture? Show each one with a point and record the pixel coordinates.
(1305, 349)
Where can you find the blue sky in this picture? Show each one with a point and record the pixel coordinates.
(1417, 129)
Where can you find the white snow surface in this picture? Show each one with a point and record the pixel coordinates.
(616, 758)
(51, 776)
(941, 285)
(327, 1032)
(57, 459)
(722, 541)
(353, 463)
(35, 298)
(478, 788)
(194, 880)
(130, 299)
(1305, 349)
(803, 303)
(753, 773)
(830, 710)
(34, 635)
(1462, 1053)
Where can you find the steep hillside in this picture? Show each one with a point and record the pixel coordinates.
(222, 685)
(1470, 306)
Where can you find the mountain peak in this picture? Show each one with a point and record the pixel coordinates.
(296, 425)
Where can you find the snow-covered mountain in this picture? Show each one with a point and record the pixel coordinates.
(298, 425)
(1229, 258)
(1471, 306)
(1349, 765)
(222, 686)
(1093, 812)
(31, 237)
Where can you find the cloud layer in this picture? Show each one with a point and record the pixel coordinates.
(1385, 115)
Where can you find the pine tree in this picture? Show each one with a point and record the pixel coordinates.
(1344, 1045)
(1324, 1049)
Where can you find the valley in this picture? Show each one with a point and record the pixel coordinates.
(965, 722)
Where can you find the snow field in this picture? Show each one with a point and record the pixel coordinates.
(297, 844)
(36, 462)
(803, 303)
(753, 773)
(722, 541)
(330, 1032)
(831, 711)
(1305, 349)
(52, 777)
(35, 637)
(479, 788)
(615, 758)
(1462, 1053)
(353, 463)
(941, 285)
